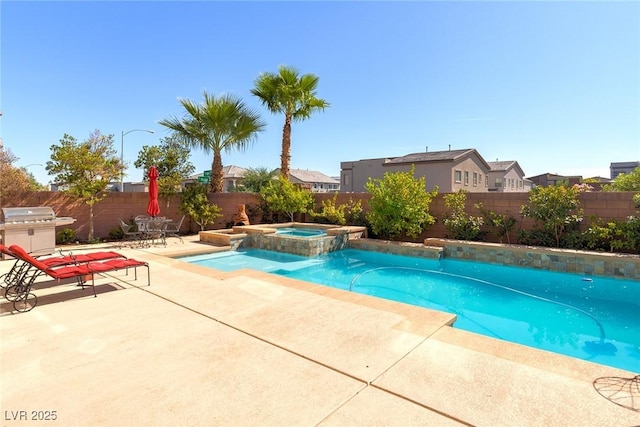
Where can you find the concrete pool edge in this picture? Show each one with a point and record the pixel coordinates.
(493, 355)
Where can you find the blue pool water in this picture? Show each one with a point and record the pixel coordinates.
(591, 318)
(300, 232)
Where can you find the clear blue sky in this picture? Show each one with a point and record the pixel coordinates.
(553, 85)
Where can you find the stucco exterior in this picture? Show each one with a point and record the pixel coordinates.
(507, 177)
(450, 170)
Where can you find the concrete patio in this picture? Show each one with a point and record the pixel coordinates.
(205, 348)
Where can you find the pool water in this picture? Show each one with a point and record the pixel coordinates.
(591, 318)
(300, 232)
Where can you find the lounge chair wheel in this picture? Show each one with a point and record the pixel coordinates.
(25, 303)
(15, 292)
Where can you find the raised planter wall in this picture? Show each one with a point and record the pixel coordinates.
(560, 260)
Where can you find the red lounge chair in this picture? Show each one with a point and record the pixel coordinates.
(20, 292)
(80, 258)
(54, 261)
(17, 270)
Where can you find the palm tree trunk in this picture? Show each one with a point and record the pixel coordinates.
(285, 157)
(217, 176)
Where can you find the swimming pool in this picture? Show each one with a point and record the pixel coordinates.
(591, 318)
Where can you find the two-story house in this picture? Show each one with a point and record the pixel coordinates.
(507, 176)
(450, 170)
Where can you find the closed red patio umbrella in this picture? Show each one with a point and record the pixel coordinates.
(153, 208)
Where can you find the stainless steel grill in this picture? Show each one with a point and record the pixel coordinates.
(33, 228)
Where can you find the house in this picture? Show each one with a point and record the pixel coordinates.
(617, 168)
(231, 179)
(549, 179)
(315, 181)
(450, 170)
(507, 176)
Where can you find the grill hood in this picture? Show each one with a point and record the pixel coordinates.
(27, 214)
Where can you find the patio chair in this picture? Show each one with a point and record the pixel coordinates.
(20, 291)
(172, 229)
(130, 232)
(154, 229)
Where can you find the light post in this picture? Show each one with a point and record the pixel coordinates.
(122, 153)
(32, 164)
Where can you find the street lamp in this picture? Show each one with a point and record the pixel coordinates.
(32, 164)
(122, 153)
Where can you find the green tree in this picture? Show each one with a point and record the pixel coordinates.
(195, 203)
(399, 205)
(282, 196)
(294, 95)
(85, 168)
(555, 207)
(219, 124)
(255, 179)
(625, 182)
(171, 159)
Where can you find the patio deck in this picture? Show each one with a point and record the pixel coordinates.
(201, 347)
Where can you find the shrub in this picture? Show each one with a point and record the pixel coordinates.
(554, 208)
(347, 213)
(195, 203)
(399, 205)
(613, 236)
(460, 225)
(501, 224)
(65, 236)
(116, 233)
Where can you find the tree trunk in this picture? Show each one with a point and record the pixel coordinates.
(285, 157)
(217, 175)
(90, 237)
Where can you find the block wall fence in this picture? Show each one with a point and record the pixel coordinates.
(605, 205)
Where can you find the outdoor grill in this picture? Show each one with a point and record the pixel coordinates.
(32, 228)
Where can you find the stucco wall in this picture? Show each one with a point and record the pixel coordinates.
(606, 205)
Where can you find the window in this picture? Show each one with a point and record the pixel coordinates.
(486, 180)
(457, 176)
(480, 177)
(466, 177)
(475, 179)
(498, 182)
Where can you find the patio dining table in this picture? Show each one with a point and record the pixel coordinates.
(152, 229)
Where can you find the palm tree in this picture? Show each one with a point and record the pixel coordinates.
(292, 94)
(223, 123)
